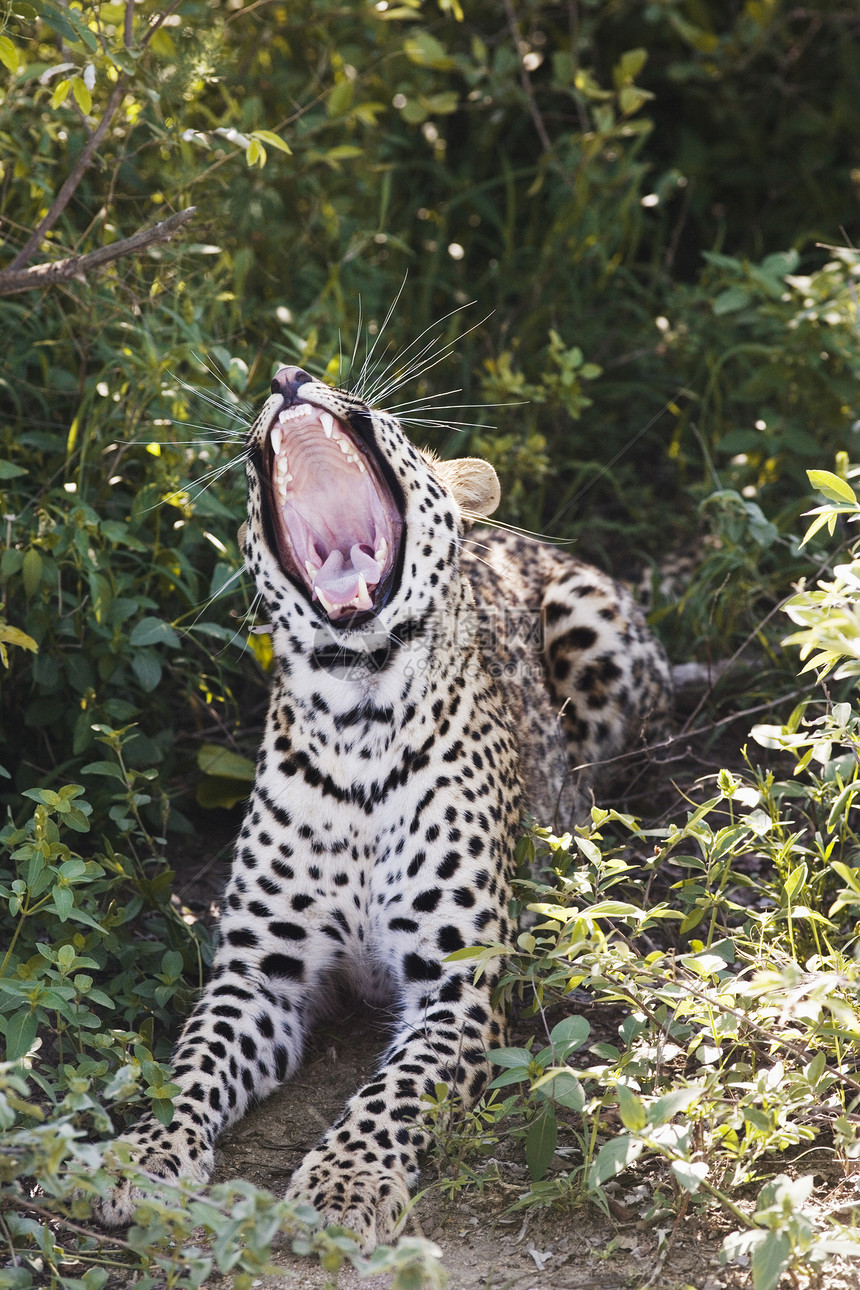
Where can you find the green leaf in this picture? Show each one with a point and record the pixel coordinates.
(633, 1114)
(541, 1141)
(83, 98)
(31, 572)
(339, 100)
(834, 488)
(770, 1259)
(566, 1089)
(426, 51)
(171, 964)
(61, 90)
(14, 636)
(153, 631)
(63, 903)
(731, 300)
(629, 66)
(273, 140)
(163, 1110)
(516, 1075)
(672, 1104)
(570, 1033)
(110, 769)
(9, 56)
(217, 790)
(255, 153)
(690, 1174)
(8, 470)
(20, 1033)
(147, 668)
(614, 1156)
(212, 759)
(509, 1056)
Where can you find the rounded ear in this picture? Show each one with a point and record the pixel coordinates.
(473, 484)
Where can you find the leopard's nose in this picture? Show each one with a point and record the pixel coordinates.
(286, 382)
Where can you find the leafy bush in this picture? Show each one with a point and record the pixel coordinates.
(732, 958)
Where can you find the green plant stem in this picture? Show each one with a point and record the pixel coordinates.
(718, 1195)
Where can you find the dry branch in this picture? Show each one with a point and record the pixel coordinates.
(77, 266)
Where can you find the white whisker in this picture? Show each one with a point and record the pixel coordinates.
(361, 378)
(380, 395)
(433, 341)
(493, 523)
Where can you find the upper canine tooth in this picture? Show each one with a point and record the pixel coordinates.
(276, 437)
(327, 423)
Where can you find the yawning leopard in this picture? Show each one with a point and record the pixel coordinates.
(432, 683)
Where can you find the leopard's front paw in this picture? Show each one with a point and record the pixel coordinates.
(365, 1197)
(161, 1155)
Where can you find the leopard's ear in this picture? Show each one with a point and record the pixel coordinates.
(473, 484)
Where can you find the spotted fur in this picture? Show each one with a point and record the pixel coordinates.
(402, 745)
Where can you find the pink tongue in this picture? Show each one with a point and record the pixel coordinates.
(338, 581)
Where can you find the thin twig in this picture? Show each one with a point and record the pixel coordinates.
(526, 83)
(31, 1207)
(77, 266)
(87, 153)
(80, 167)
(648, 749)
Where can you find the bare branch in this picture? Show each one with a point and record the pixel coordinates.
(82, 164)
(525, 81)
(77, 266)
(64, 196)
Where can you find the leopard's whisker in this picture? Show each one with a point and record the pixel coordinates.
(420, 369)
(360, 384)
(429, 344)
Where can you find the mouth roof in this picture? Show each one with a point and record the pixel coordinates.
(337, 526)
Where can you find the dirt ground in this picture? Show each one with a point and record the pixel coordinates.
(483, 1247)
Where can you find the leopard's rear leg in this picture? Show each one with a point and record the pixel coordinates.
(609, 676)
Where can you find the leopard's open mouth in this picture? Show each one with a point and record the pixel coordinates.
(337, 526)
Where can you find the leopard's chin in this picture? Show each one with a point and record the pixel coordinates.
(336, 525)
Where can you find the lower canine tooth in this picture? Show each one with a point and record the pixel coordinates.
(362, 599)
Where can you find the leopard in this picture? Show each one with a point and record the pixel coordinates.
(434, 679)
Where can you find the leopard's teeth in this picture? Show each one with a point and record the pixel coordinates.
(283, 476)
(380, 555)
(331, 610)
(277, 438)
(313, 569)
(327, 423)
(291, 414)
